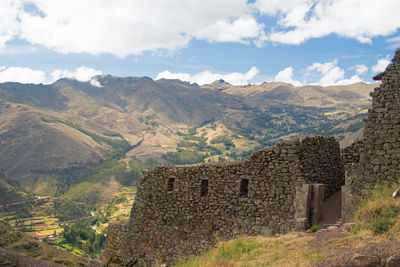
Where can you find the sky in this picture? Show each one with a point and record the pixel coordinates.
(324, 42)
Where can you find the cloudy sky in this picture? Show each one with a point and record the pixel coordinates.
(323, 42)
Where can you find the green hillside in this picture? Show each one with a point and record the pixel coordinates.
(10, 191)
(51, 136)
(13, 240)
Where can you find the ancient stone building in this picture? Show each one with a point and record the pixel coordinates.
(180, 211)
(379, 151)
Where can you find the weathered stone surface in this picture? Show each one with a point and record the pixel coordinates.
(393, 261)
(172, 216)
(359, 260)
(380, 254)
(375, 159)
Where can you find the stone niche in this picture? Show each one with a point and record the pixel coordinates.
(182, 211)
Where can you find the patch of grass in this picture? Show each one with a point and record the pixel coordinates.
(112, 134)
(237, 249)
(380, 213)
(381, 226)
(186, 143)
(286, 250)
(315, 228)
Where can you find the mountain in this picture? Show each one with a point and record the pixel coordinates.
(54, 135)
(70, 151)
(267, 94)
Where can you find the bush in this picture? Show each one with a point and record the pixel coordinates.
(381, 226)
(315, 228)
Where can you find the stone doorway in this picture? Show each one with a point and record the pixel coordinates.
(313, 209)
(331, 210)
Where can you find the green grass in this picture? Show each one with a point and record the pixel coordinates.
(315, 228)
(380, 213)
(286, 250)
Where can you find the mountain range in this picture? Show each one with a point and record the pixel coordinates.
(67, 128)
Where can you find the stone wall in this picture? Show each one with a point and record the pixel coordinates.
(380, 149)
(180, 211)
(351, 154)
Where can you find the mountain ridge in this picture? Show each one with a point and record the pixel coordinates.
(77, 122)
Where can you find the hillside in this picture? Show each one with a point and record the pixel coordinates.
(81, 148)
(54, 134)
(10, 191)
(19, 242)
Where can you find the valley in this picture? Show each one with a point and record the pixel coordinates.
(71, 154)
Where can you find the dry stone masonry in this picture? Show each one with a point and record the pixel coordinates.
(351, 154)
(380, 149)
(181, 211)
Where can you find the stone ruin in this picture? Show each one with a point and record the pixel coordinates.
(181, 211)
(376, 158)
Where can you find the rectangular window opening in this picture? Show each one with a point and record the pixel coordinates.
(204, 188)
(244, 187)
(170, 185)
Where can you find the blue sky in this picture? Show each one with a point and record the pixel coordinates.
(297, 41)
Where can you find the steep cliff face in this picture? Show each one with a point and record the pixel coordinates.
(181, 211)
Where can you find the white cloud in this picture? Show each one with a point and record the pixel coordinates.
(9, 26)
(286, 75)
(82, 74)
(381, 64)
(22, 75)
(360, 69)
(301, 20)
(28, 75)
(95, 82)
(206, 77)
(330, 73)
(395, 42)
(353, 79)
(130, 27)
(237, 31)
(127, 27)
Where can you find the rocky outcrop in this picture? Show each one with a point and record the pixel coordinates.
(385, 254)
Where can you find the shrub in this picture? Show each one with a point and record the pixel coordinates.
(315, 228)
(381, 226)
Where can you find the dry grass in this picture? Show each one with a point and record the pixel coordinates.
(359, 239)
(285, 250)
(380, 213)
